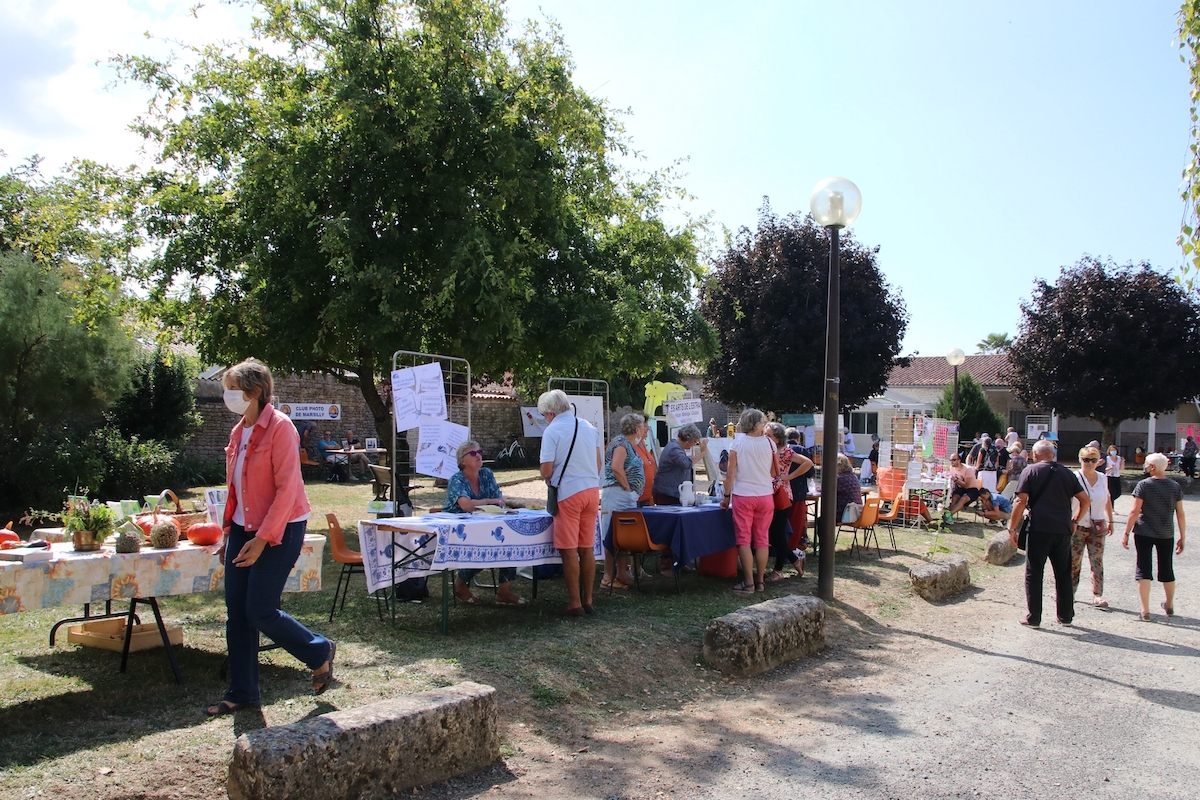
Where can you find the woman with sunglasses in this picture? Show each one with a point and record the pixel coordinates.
(1093, 528)
(474, 485)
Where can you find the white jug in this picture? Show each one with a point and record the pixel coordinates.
(687, 495)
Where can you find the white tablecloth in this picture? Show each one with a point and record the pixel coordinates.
(436, 542)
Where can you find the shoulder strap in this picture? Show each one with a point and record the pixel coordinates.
(1033, 498)
(571, 450)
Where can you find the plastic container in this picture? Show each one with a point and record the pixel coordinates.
(720, 565)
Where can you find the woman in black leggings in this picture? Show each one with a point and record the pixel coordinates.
(1154, 500)
(793, 463)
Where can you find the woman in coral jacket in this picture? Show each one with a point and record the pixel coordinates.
(265, 519)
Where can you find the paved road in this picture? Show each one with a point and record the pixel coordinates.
(1107, 709)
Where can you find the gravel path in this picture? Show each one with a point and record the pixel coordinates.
(957, 700)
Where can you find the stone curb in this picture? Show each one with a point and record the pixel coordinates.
(942, 578)
(371, 752)
(756, 638)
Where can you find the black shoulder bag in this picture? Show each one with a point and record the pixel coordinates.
(1027, 522)
(552, 489)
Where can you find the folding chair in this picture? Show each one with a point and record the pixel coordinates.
(352, 563)
(890, 516)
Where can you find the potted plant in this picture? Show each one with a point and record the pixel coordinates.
(89, 523)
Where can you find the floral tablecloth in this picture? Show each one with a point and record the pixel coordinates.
(72, 579)
(437, 542)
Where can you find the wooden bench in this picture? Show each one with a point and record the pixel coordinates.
(381, 481)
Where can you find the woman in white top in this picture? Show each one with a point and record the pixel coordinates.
(1092, 531)
(1113, 465)
(749, 488)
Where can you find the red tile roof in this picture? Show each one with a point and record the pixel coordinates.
(934, 371)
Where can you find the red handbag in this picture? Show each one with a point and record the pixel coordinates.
(783, 487)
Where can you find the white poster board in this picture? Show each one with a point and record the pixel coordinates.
(418, 395)
(303, 411)
(681, 412)
(1034, 431)
(591, 408)
(533, 424)
(439, 440)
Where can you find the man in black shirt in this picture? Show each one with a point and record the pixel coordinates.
(1051, 487)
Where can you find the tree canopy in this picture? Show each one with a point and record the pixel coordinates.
(1107, 342)
(1189, 235)
(974, 413)
(767, 300)
(369, 176)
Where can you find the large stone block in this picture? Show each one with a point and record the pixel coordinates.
(370, 752)
(756, 638)
(941, 579)
(1000, 549)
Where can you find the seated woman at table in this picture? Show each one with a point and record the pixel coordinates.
(336, 461)
(791, 465)
(748, 490)
(474, 485)
(624, 479)
(675, 465)
(849, 490)
(265, 520)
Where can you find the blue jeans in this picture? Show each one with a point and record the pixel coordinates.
(252, 605)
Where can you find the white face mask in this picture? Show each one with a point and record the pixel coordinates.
(235, 401)
(1112, 452)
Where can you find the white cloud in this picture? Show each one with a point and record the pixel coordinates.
(63, 99)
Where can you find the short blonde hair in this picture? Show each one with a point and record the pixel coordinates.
(843, 464)
(463, 449)
(248, 375)
(1158, 461)
(1089, 452)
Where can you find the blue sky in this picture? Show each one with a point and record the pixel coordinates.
(993, 143)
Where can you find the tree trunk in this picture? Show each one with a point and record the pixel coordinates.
(382, 412)
(1109, 435)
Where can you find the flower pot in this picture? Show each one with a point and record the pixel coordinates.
(85, 541)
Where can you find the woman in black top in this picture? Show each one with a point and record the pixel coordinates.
(1154, 499)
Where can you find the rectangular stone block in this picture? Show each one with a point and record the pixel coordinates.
(756, 638)
(370, 752)
(941, 579)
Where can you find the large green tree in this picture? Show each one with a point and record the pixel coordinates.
(767, 300)
(1107, 342)
(974, 413)
(367, 176)
(1189, 235)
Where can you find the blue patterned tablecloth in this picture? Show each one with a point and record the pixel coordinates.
(436, 542)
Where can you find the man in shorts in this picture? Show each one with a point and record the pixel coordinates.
(966, 487)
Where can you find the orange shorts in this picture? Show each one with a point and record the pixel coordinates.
(575, 525)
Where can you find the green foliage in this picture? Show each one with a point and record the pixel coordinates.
(133, 468)
(767, 300)
(1107, 342)
(1189, 234)
(57, 373)
(376, 175)
(995, 343)
(974, 413)
(51, 462)
(161, 401)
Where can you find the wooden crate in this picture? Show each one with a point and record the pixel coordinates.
(109, 634)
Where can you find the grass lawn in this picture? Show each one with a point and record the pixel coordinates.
(68, 715)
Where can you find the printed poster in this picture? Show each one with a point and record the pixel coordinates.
(418, 395)
(533, 424)
(439, 440)
(681, 412)
(591, 408)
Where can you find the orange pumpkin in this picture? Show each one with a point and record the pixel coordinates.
(7, 535)
(205, 533)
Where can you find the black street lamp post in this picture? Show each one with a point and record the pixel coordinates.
(835, 203)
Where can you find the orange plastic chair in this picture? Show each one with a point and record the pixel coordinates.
(890, 516)
(866, 523)
(630, 535)
(351, 561)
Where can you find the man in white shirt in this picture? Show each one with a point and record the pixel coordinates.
(571, 462)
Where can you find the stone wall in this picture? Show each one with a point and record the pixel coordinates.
(495, 422)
